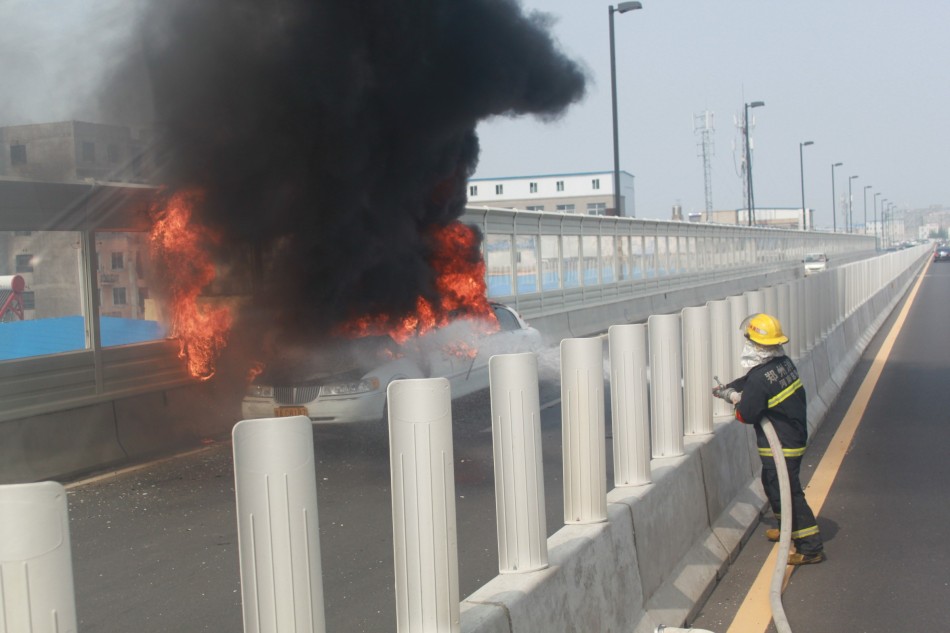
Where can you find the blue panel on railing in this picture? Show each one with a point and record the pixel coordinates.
(39, 337)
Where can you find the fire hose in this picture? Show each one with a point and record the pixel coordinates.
(784, 542)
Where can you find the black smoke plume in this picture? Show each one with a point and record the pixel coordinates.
(328, 135)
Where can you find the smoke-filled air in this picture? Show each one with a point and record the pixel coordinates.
(328, 139)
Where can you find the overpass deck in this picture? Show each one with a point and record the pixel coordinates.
(155, 548)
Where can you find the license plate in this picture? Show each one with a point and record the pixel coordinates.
(284, 412)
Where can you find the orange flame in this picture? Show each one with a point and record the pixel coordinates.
(186, 268)
(460, 282)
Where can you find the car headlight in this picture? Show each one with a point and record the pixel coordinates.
(350, 388)
(260, 391)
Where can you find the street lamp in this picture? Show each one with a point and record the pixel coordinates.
(834, 211)
(748, 160)
(801, 165)
(875, 220)
(866, 187)
(622, 7)
(883, 211)
(850, 217)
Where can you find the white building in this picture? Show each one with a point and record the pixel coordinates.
(588, 193)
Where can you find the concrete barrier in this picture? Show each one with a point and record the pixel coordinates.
(666, 543)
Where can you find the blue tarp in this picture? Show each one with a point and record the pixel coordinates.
(38, 337)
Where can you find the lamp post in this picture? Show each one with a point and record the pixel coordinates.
(866, 187)
(883, 219)
(834, 211)
(850, 216)
(622, 7)
(875, 220)
(801, 165)
(748, 160)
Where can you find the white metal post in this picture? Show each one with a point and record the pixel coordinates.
(755, 302)
(582, 430)
(629, 404)
(697, 371)
(423, 489)
(771, 301)
(519, 475)
(278, 532)
(783, 296)
(721, 353)
(666, 385)
(738, 311)
(36, 569)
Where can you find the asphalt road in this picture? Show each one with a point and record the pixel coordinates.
(885, 520)
(155, 550)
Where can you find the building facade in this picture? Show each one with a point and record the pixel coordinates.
(68, 151)
(588, 193)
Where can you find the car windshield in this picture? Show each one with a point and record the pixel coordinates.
(815, 257)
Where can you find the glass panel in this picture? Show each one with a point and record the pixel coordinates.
(550, 262)
(498, 265)
(591, 260)
(662, 251)
(637, 257)
(527, 262)
(624, 260)
(127, 314)
(41, 305)
(571, 257)
(608, 260)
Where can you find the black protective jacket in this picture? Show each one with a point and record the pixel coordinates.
(774, 389)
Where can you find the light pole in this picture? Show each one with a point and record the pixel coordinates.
(850, 216)
(622, 7)
(834, 210)
(866, 187)
(801, 165)
(875, 220)
(748, 160)
(883, 219)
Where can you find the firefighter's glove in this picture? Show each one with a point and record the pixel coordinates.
(728, 394)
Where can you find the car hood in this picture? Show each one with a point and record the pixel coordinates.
(345, 359)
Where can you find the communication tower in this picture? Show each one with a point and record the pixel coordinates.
(703, 127)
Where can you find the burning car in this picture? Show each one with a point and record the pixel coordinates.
(346, 383)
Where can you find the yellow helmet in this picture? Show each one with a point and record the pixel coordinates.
(764, 329)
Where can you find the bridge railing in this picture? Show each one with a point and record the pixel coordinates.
(545, 262)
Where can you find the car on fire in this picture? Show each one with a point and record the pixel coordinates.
(815, 263)
(346, 382)
(942, 253)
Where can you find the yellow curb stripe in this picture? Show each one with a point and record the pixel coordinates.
(754, 614)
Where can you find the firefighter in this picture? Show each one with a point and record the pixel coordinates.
(772, 387)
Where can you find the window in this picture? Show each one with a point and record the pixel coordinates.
(24, 263)
(506, 320)
(29, 300)
(595, 183)
(18, 154)
(565, 208)
(533, 187)
(560, 185)
(118, 297)
(473, 190)
(88, 152)
(113, 151)
(499, 189)
(535, 207)
(118, 261)
(596, 208)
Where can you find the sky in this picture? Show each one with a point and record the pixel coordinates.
(868, 82)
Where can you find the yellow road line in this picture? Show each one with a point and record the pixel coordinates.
(754, 614)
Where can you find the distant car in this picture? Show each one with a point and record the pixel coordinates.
(347, 383)
(815, 263)
(942, 253)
